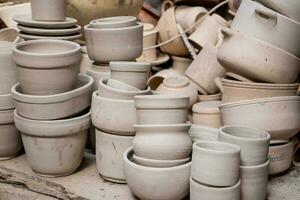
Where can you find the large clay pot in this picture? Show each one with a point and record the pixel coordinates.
(6, 102)
(44, 10)
(200, 132)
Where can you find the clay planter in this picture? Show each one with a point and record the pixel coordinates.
(9, 35)
(158, 163)
(10, 139)
(254, 181)
(269, 114)
(124, 43)
(162, 142)
(254, 143)
(207, 114)
(6, 102)
(257, 21)
(205, 68)
(203, 192)
(8, 75)
(106, 112)
(132, 73)
(98, 72)
(209, 97)
(110, 92)
(280, 156)
(47, 66)
(114, 22)
(215, 163)
(161, 109)
(180, 64)
(45, 10)
(239, 91)
(199, 132)
(120, 85)
(237, 51)
(56, 106)
(109, 155)
(54, 148)
(169, 182)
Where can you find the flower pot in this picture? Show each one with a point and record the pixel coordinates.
(207, 114)
(180, 64)
(120, 85)
(47, 66)
(210, 97)
(98, 72)
(45, 10)
(114, 22)
(199, 132)
(158, 163)
(6, 102)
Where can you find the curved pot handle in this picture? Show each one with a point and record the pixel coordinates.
(166, 5)
(218, 83)
(266, 15)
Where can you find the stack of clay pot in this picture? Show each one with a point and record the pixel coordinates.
(160, 156)
(47, 21)
(52, 105)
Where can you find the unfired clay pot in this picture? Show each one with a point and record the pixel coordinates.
(207, 113)
(98, 72)
(162, 142)
(47, 66)
(10, 138)
(157, 79)
(180, 64)
(161, 109)
(254, 143)
(215, 163)
(200, 132)
(113, 115)
(86, 63)
(158, 163)
(209, 97)
(6, 102)
(109, 155)
(169, 182)
(45, 10)
(54, 148)
(133, 73)
(270, 114)
(114, 22)
(56, 106)
(120, 85)
(9, 35)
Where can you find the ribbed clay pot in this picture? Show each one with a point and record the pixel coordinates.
(207, 114)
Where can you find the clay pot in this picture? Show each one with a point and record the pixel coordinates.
(280, 155)
(132, 73)
(209, 97)
(161, 109)
(239, 91)
(254, 181)
(10, 138)
(254, 143)
(167, 27)
(157, 79)
(207, 114)
(260, 22)
(269, 114)
(57, 106)
(149, 40)
(98, 72)
(199, 132)
(6, 102)
(54, 148)
(158, 163)
(110, 92)
(205, 68)
(215, 163)
(237, 77)
(47, 66)
(9, 35)
(162, 142)
(86, 63)
(203, 192)
(276, 61)
(109, 155)
(106, 112)
(124, 43)
(120, 85)
(45, 10)
(8, 12)
(234, 5)
(114, 22)
(169, 182)
(180, 64)
(207, 31)
(179, 85)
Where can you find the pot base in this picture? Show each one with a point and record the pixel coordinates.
(113, 180)
(54, 175)
(9, 157)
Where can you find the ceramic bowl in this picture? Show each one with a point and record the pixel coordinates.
(254, 143)
(215, 163)
(169, 182)
(269, 114)
(124, 43)
(106, 112)
(254, 181)
(114, 22)
(238, 91)
(54, 148)
(110, 92)
(161, 109)
(56, 106)
(6, 102)
(236, 51)
(120, 85)
(280, 155)
(98, 72)
(47, 66)
(109, 155)
(162, 142)
(158, 163)
(10, 138)
(207, 113)
(203, 192)
(9, 35)
(210, 97)
(132, 73)
(44, 10)
(200, 132)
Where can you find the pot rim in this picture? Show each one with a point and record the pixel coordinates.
(161, 102)
(141, 128)
(230, 148)
(113, 136)
(105, 21)
(9, 119)
(284, 144)
(196, 128)
(127, 66)
(97, 96)
(157, 161)
(202, 108)
(253, 167)
(89, 28)
(210, 188)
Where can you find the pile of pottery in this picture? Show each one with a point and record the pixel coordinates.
(52, 105)
(47, 21)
